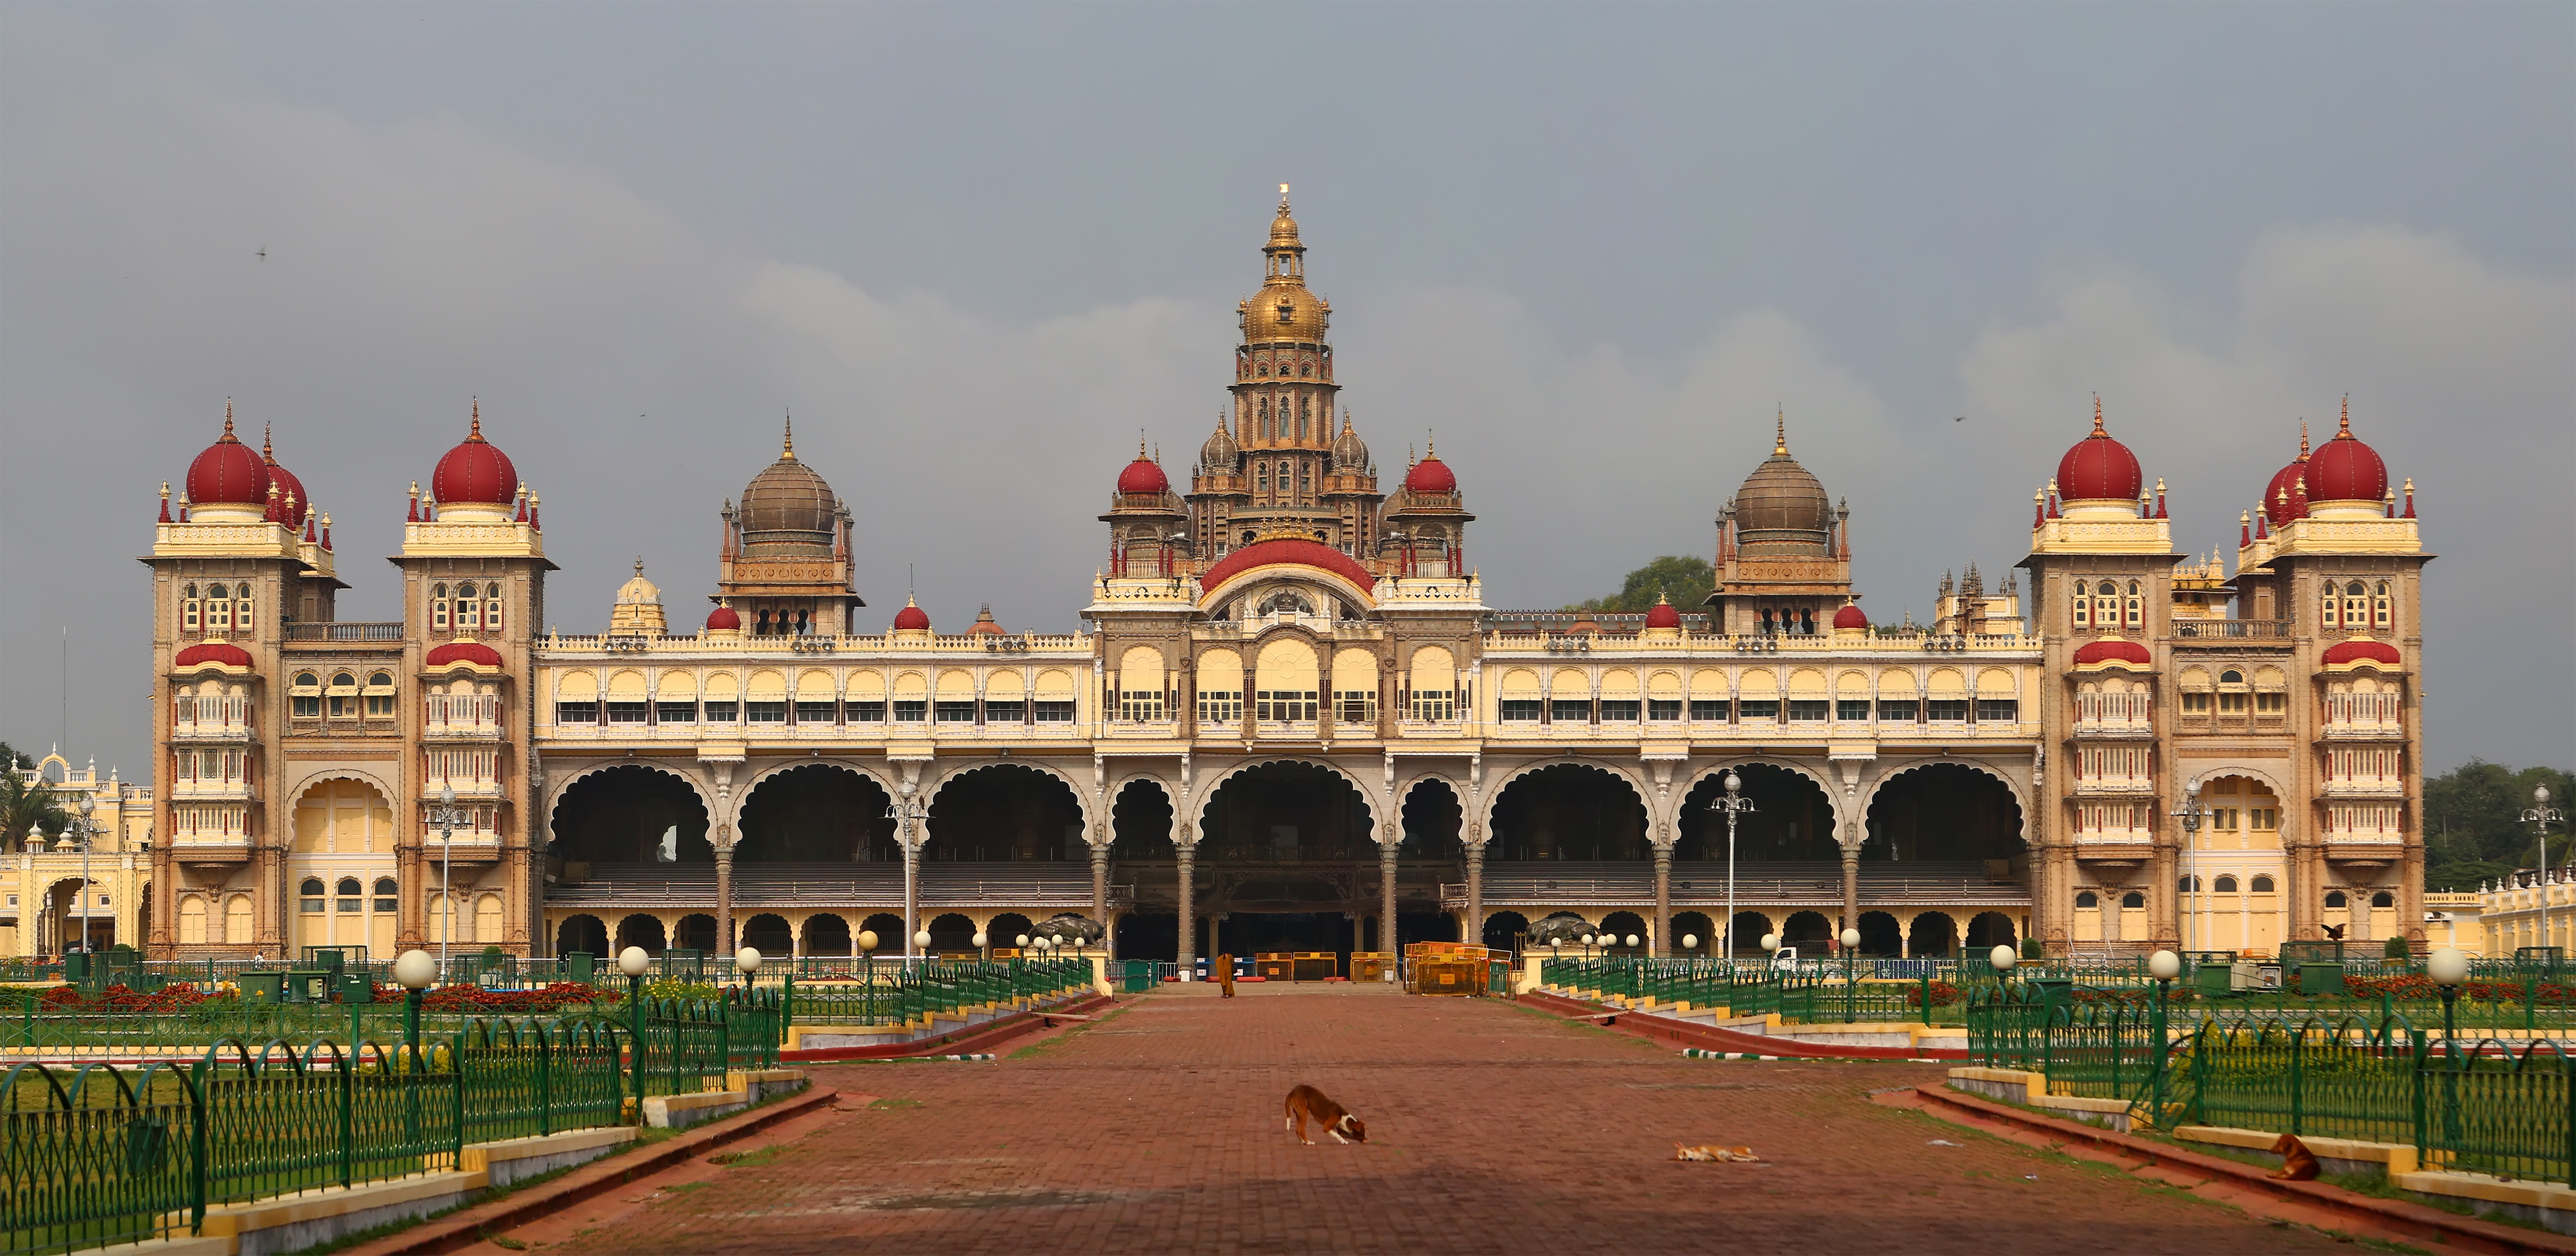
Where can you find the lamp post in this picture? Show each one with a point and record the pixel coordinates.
(983, 947)
(867, 941)
(1851, 943)
(87, 829)
(2448, 967)
(1734, 806)
(746, 961)
(2190, 813)
(633, 961)
(414, 971)
(2001, 959)
(2164, 966)
(2540, 816)
(446, 817)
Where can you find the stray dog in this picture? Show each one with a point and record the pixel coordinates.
(2298, 1164)
(1714, 1152)
(1307, 1103)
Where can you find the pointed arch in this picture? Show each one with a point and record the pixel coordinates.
(1493, 795)
(558, 784)
(1194, 826)
(1082, 799)
(2020, 790)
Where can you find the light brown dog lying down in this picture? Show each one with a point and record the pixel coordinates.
(2298, 1164)
(1307, 1103)
(1715, 1152)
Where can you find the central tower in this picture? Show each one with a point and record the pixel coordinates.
(1280, 463)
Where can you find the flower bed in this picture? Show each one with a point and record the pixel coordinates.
(537, 1002)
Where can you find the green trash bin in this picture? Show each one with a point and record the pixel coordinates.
(578, 966)
(263, 986)
(76, 967)
(1140, 976)
(357, 988)
(2053, 991)
(2214, 979)
(2317, 979)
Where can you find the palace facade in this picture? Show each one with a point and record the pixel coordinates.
(1290, 721)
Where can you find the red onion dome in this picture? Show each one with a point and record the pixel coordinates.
(1431, 475)
(228, 473)
(2346, 470)
(475, 471)
(2348, 652)
(216, 652)
(2113, 652)
(1296, 550)
(2099, 468)
(985, 625)
(1663, 614)
(2286, 497)
(454, 652)
(293, 503)
(911, 618)
(1142, 476)
(1851, 617)
(723, 619)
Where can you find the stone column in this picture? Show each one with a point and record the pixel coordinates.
(1386, 864)
(911, 892)
(1186, 855)
(1851, 889)
(1100, 891)
(724, 897)
(1476, 890)
(1655, 944)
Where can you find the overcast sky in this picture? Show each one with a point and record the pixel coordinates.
(977, 248)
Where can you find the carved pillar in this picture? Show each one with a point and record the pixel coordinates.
(911, 887)
(1476, 890)
(1100, 890)
(1185, 855)
(1663, 920)
(1851, 887)
(724, 894)
(1386, 866)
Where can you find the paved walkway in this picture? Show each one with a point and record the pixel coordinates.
(1492, 1127)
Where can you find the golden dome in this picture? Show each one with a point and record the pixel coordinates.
(1782, 510)
(788, 510)
(638, 590)
(1284, 310)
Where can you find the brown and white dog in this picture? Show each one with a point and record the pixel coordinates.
(2298, 1164)
(1307, 1103)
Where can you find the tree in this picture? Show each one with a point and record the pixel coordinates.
(2473, 829)
(12, 757)
(1680, 579)
(26, 806)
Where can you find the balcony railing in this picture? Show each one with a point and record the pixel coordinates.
(345, 632)
(210, 719)
(2233, 629)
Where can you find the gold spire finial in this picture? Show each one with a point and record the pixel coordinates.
(2303, 438)
(228, 419)
(639, 564)
(1780, 435)
(267, 453)
(475, 433)
(2346, 429)
(1283, 198)
(2097, 416)
(787, 445)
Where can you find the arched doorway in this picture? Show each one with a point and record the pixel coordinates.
(1989, 930)
(640, 930)
(1008, 928)
(1947, 813)
(951, 934)
(1694, 933)
(827, 933)
(1879, 934)
(820, 813)
(1933, 936)
(1284, 855)
(1623, 925)
(766, 932)
(1141, 854)
(344, 838)
(628, 814)
(1428, 852)
(584, 933)
(1005, 814)
(1808, 931)
(1569, 812)
(1503, 930)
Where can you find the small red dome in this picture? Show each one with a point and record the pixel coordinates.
(2114, 652)
(2363, 652)
(1850, 617)
(1142, 476)
(2346, 470)
(1431, 475)
(476, 471)
(1287, 550)
(474, 652)
(911, 618)
(723, 619)
(205, 652)
(2099, 468)
(2286, 497)
(1663, 614)
(228, 473)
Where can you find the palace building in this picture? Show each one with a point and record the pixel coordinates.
(1289, 720)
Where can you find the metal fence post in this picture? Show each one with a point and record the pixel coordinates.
(348, 1117)
(2298, 1079)
(545, 1081)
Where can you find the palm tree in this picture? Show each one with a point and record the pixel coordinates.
(27, 805)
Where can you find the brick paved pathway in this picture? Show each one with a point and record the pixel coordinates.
(1493, 1128)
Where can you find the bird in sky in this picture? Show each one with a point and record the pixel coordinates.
(1958, 418)
(263, 252)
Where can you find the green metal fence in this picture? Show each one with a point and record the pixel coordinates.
(1831, 995)
(902, 993)
(99, 1153)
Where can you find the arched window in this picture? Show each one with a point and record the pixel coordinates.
(2262, 885)
(219, 609)
(2383, 899)
(466, 606)
(2335, 898)
(311, 894)
(2086, 900)
(1261, 369)
(1261, 479)
(2226, 884)
(386, 896)
(349, 895)
(241, 609)
(2231, 677)
(438, 608)
(2137, 607)
(492, 608)
(2382, 611)
(188, 610)
(2353, 589)
(339, 679)
(2187, 885)
(2133, 899)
